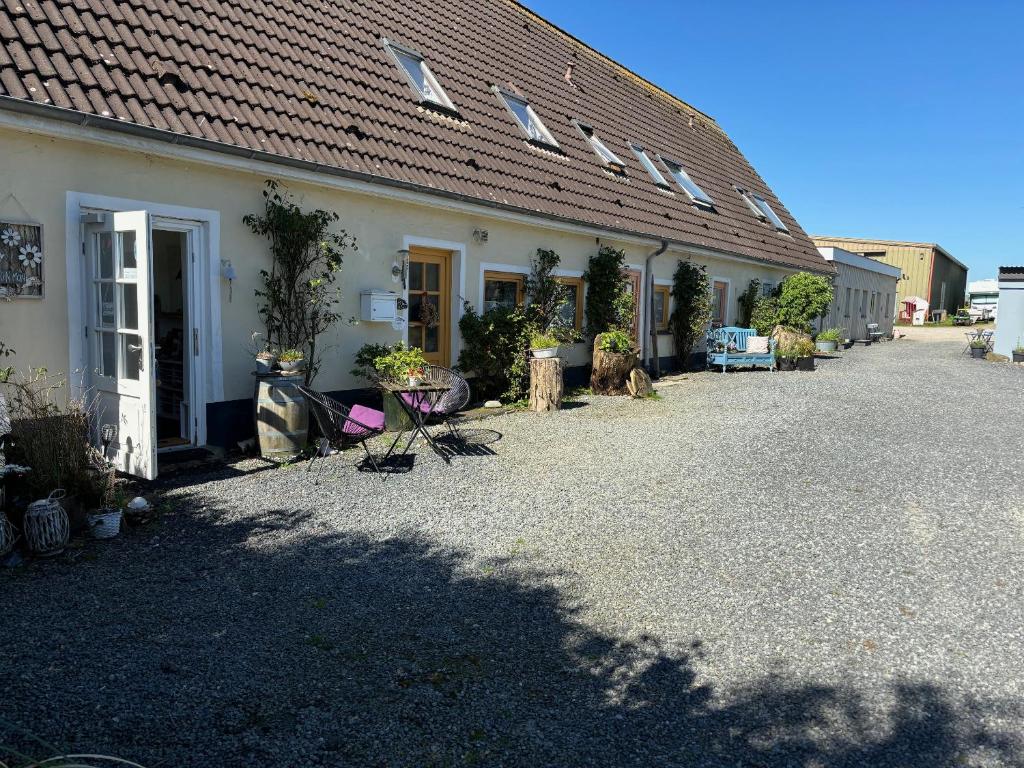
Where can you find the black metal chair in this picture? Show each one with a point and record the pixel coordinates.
(453, 400)
(337, 423)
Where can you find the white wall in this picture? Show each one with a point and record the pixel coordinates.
(1010, 329)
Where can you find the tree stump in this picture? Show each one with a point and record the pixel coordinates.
(546, 385)
(611, 370)
(639, 384)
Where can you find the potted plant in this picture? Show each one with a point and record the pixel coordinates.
(263, 353)
(785, 356)
(543, 344)
(828, 340)
(1018, 352)
(399, 365)
(105, 523)
(291, 360)
(804, 351)
(415, 375)
(978, 348)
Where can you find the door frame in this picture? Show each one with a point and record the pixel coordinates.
(203, 228)
(456, 286)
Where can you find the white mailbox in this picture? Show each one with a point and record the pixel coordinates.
(379, 306)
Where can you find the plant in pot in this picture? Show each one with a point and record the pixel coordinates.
(543, 344)
(978, 348)
(785, 356)
(291, 360)
(105, 523)
(399, 365)
(828, 340)
(262, 352)
(1018, 352)
(804, 351)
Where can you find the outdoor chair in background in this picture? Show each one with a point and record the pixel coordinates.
(338, 423)
(873, 333)
(450, 402)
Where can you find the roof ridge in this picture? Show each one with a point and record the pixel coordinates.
(643, 81)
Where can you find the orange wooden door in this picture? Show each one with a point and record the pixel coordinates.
(430, 303)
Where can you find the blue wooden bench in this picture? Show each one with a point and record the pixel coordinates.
(728, 346)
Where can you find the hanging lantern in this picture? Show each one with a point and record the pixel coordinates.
(46, 525)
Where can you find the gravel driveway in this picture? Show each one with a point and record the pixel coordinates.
(755, 570)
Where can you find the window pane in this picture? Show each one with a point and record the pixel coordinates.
(416, 276)
(529, 120)
(129, 306)
(688, 184)
(566, 317)
(501, 293)
(652, 169)
(433, 276)
(415, 305)
(106, 255)
(432, 339)
(108, 354)
(105, 304)
(414, 67)
(659, 307)
(131, 355)
(129, 269)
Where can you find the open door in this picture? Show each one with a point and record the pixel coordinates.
(120, 340)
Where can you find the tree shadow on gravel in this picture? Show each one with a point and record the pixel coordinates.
(270, 640)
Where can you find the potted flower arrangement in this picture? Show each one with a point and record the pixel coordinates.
(415, 375)
(1018, 352)
(828, 340)
(804, 351)
(978, 348)
(105, 523)
(543, 344)
(399, 365)
(264, 354)
(291, 360)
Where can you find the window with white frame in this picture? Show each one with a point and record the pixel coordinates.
(689, 186)
(528, 120)
(420, 77)
(607, 156)
(649, 166)
(760, 208)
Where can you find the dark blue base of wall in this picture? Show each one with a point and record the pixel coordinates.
(231, 421)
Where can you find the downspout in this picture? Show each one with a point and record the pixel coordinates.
(652, 326)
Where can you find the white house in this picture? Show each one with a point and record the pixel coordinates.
(864, 292)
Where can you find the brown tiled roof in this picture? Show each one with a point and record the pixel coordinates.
(312, 81)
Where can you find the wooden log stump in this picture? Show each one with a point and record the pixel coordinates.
(546, 387)
(610, 374)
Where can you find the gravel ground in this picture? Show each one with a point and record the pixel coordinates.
(754, 570)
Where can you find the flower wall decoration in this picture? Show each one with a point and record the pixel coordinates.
(21, 260)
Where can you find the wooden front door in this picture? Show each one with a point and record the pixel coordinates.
(430, 310)
(635, 280)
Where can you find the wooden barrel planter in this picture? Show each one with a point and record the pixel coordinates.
(282, 414)
(610, 372)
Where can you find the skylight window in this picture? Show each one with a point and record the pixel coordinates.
(762, 209)
(649, 165)
(689, 186)
(769, 214)
(527, 119)
(609, 157)
(420, 77)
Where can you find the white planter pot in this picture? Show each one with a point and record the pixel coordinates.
(826, 346)
(264, 364)
(105, 524)
(546, 352)
(291, 365)
(415, 381)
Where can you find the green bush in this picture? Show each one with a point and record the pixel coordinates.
(494, 350)
(765, 315)
(803, 298)
(691, 292)
(831, 334)
(365, 357)
(609, 303)
(539, 340)
(747, 301)
(616, 340)
(398, 362)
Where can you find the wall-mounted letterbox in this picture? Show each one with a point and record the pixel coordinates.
(378, 306)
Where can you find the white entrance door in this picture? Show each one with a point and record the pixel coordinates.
(120, 337)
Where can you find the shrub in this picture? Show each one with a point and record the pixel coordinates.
(366, 356)
(802, 298)
(616, 340)
(765, 315)
(299, 292)
(396, 364)
(747, 301)
(291, 355)
(494, 350)
(691, 292)
(831, 334)
(796, 348)
(609, 303)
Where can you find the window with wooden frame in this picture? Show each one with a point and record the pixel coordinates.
(719, 302)
(504, 289)
(570, 313)
(662, 304)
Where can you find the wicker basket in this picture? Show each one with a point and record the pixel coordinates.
(46, 525)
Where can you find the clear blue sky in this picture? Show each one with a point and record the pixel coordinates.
(899, 120)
